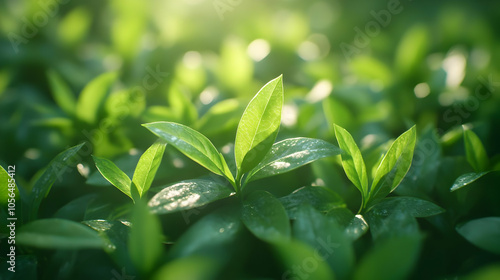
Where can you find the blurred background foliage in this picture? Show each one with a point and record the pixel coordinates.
(373, 67)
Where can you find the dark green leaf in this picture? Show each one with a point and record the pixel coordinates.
(265, 217)
(394, 166)
(393, 259)
(466, 179)
(292, 153)
(484, 233)
(62, 93)
(259, 126)
(327, 237)
(413, 206)
(92, 97)
(474, 149)
(321, 198)
(145, 241)
(387, 226)
(58, 234)
(114, 175)
(188, 194)
(56, 168)
(149, 162)
(352, 160)
(192, 144)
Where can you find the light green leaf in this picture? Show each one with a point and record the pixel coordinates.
(394, 166)
(58, 234)
(324, 234)
(392, 259)
(92, 97)
(145, 241)
(5, 181)
(475, 152)
(466, 179)
(295, 255)
(413, 206)
(484, 233)
(265, 217)
(114, 175)
(147, 166)
(321, 198)
(192, 144)
(62, 93)
(259, 126)
(189, 268)
(221, 117)
(188, 194)
(56, 168)
(292, 153)
(352, 160)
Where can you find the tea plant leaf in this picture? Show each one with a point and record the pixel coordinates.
(58, 234)
(475, 152)
(467, 179)
(114, 175)
(324, 234)
(92, 97)
(292, 153)
(147, 166)
(192, 144)
(145, 241)
(188, 194)
(352, 160)
(265, 217)
(192, 268)
(259, 126)
(62, 93)
(321, 198)
(295, 254)
(394, 166)
(413, 206)
(392, 259)
(483, 232)
(56, 168)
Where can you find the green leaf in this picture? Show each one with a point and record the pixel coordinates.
(5, 194)
(62, 93)
(265, 217)
(484, 233)
(189, 268)
(58, 234)
(324, 234)
(392, 259)
(210, 235)
(147, 166)
(114, 175)
(221, 117)
(466, 179)
(321, 198)
(394, 166)
(145, 241)
(475, 152)
(56, 168)
(188, 194)
(352, 160)
(92, 97)
(292, 153)
(386, 226)
(259, 126)
(302, 261)
(413, 206)
(192, 144)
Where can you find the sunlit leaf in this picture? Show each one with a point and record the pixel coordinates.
(483, 232)
(189, 268)
(58, 234)
(149, 162)
(265, 217)
(188, 194)
(466, 179)
(114, 175)
(259, 126)
(192, 144)
(223, 116)
(145, 241)
(394, 166)
(352, 160)
(411, 49)
(475, 152)
(321, 198)
(92, 97)
(62, 93)
(292, 153)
